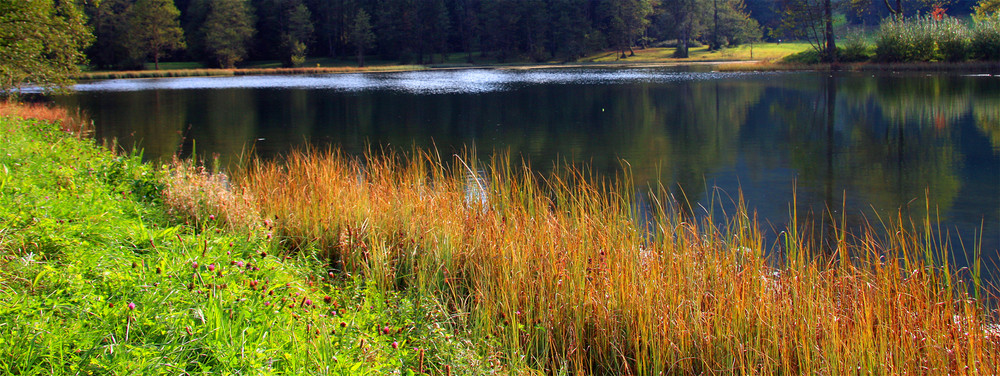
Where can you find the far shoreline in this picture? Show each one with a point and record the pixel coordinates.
(991, 67)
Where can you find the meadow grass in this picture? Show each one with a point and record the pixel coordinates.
(97, 277)
(556, 272)
(764, 51)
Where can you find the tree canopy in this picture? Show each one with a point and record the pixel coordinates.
(228, 31)
(421, 31)
(42, 42)
(155, 28)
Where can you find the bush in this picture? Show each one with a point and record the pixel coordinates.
(953, 40)
(855, 48)
(891, 44)
(985, 44)
(919, 39)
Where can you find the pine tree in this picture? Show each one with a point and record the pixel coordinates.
(361, 34)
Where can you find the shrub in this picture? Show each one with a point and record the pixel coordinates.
(855, 48)
(891, 41)
(918, 39)
(953, 40)
(985, 43)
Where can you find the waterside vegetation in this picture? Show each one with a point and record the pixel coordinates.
(97, 277)
(472, 266)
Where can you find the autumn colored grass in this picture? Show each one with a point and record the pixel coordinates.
(557, 273)
(76, 124)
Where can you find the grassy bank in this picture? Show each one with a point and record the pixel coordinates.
(779, 66)
(558, 272)
(97, 277)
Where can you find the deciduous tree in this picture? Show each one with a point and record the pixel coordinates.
(155, 28)
(41, 42)
(228, 31)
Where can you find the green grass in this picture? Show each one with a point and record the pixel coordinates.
(97, 277)
(761, 51)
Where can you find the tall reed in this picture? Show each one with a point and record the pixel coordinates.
(567, 272)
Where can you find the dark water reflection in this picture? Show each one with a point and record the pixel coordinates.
(888, 143)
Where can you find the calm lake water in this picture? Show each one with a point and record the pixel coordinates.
(888, 142)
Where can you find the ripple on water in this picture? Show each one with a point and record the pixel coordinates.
(416, 82)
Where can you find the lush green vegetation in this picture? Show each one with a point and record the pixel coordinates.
(41, 42)
(97, 277)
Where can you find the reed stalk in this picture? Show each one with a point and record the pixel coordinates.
(568, 272)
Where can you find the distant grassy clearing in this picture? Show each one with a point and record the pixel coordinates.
(761, 51)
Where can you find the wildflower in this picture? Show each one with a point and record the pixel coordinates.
(386, 330)
(131, 306)
(307, 302)
(194, 265)
(240, 264)
(327, 299)
(211, 267)
(211, 217)
(395, 345)
(269, 235)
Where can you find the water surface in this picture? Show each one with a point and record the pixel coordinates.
(866, 146)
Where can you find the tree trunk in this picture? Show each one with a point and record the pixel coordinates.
(831, 44)
(361, 58)
(715, 33)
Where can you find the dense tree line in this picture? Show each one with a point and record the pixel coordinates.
(225, 32)
(41, 40)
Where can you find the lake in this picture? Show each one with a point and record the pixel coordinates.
(872, 146)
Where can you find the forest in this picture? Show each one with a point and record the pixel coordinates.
(224, 33)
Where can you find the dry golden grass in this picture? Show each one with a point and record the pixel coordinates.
(555, 272)
(73, 123)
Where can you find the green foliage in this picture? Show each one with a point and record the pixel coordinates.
(922, 39)
(228, 31)
(987, 7)
(154, 28)
(906, 40)
(953, 40)
(985, 44)
(361, 35)
(855, 48)
(41, 43)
